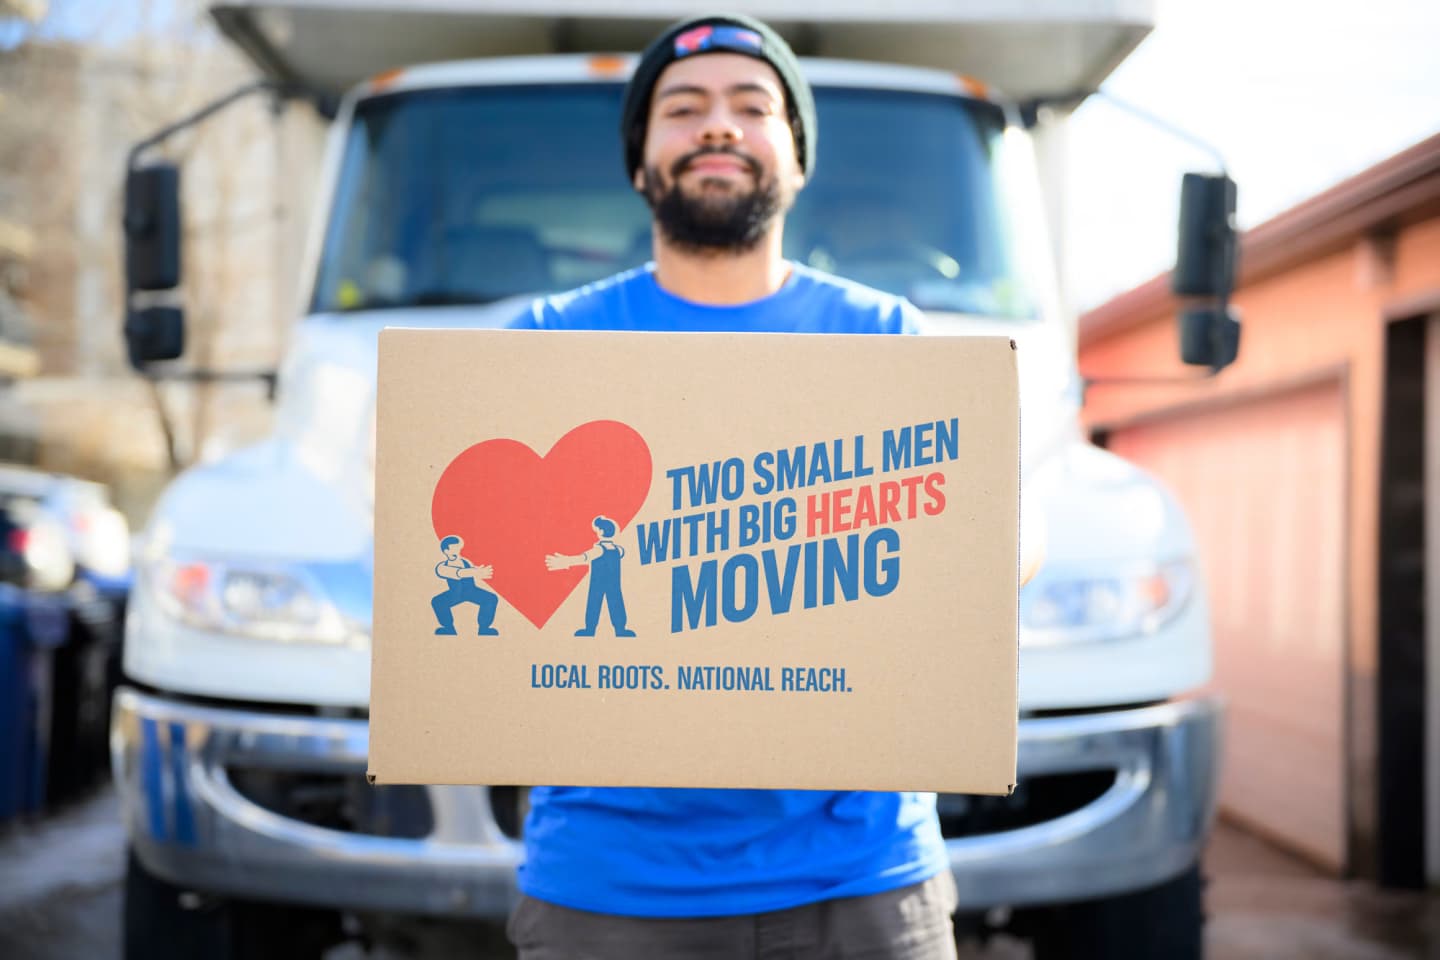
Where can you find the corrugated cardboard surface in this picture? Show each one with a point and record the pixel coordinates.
(890, 656)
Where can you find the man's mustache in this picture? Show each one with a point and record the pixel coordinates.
(683, 164)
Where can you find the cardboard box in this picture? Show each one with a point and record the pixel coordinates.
(820, 560)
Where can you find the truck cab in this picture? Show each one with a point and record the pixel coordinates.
(451, 193)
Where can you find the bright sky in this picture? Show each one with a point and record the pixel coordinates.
(1297, 95)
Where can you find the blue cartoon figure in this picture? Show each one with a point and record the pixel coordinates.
(604, 560)
(463, 580)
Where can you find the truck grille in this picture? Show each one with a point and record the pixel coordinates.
(344, 802)
(1035, 800)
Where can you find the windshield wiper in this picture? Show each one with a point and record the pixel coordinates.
(452, 298)
(431, 298)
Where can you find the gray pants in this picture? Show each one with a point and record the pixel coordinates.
(912, 923)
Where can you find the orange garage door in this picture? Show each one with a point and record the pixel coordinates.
(1264, 485)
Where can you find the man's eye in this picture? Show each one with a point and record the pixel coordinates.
(679, 111)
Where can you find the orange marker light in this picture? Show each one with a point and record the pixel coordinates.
(976, 88)
(607, 66)
(386, 78)
(189, 583)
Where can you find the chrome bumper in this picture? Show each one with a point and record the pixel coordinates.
(189, 823)
(1148, 827)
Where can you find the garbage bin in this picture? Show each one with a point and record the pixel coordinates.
(26, 674)
(80, 689)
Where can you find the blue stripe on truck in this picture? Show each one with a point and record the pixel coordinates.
(152, 778)
(184, 812)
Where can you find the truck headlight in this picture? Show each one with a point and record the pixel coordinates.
(1076, 606)
(260, 601)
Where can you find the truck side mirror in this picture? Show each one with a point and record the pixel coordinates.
(154, 333)
(1209, 336)
(152, 227)
(1205, 257)
(1205, 268)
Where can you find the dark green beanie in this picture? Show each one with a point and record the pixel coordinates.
(728, 33)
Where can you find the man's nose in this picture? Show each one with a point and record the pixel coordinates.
(720, 126)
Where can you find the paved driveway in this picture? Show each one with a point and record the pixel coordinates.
(60, 900)
(1267, 905)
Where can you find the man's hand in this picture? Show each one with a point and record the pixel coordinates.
(559, 561)
(484, 572)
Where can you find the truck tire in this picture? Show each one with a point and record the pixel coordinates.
(1162, 922)
(159, 925)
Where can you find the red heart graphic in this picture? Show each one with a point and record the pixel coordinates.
(512, 507)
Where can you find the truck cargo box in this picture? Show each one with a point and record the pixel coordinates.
(1023, 49)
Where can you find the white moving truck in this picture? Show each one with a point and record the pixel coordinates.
(472, 161)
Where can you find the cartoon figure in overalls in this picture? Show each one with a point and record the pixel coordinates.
(604, 560)
(463, 580)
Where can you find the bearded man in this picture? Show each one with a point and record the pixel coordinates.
(720, 134)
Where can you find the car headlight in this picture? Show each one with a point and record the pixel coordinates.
(103, 541)
(1078, 606)
(273, 602)
(48, 560)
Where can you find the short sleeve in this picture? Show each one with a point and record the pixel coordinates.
(906, 319)
(532, 317)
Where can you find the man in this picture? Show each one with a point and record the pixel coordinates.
(462, 585)
(604, 559)
(719, 133)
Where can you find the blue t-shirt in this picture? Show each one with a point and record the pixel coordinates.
(696, 853)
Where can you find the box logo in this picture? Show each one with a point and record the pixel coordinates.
(524, 520)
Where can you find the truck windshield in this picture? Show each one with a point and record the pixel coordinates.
(470, 195)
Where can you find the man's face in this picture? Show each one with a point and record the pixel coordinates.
(719, 161)
(452, 552)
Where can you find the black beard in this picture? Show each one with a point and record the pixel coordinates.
(713, 225)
